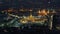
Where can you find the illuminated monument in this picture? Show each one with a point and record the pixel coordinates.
(41, 17)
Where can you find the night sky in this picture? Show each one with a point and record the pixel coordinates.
(29, 3)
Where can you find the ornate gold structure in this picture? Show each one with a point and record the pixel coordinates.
(33, 19)
(42, 12)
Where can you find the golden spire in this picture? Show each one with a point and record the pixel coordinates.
(31, 16)
(43, 12)
(39, 11)
(48, 11)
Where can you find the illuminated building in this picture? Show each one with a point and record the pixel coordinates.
(42, 12)
(32, 19)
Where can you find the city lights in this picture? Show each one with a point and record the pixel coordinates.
(30, 16)
(41, 17)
